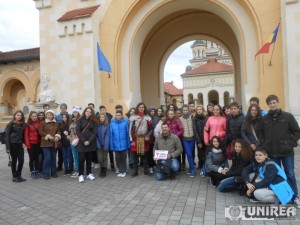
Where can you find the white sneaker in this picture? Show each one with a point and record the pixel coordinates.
(151, 170)
(90, 177)
(119, 174)
(75, 175)
(80, 179)
(122, 175)
(117, 171)
(97, 166)
(297, 202)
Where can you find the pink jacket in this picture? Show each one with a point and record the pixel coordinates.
(216, 127)
(176, 128)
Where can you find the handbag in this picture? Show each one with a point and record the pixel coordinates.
(164, 166)
(75, 141)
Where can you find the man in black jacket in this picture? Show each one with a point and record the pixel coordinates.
(281, 135)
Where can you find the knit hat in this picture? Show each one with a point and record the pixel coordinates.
(76, 109)
(50, 111)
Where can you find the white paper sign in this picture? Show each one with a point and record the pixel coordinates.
(160, 154)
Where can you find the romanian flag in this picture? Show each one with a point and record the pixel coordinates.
(265, 48)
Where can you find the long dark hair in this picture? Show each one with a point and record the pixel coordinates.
(128, 113)
(22, 121)
(92, 118)
(137, 108)
(29, 121)
(246, 152)
(63, 123)
(221, 145)
(248, 120)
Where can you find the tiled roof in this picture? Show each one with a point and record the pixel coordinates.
(20, 55)
(171, 89)
(78, 13)
(212, 66)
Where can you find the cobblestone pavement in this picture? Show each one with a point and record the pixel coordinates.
(113, 200)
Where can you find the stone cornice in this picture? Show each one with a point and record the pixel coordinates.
(41, 4)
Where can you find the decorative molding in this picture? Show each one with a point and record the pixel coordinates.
(75, 27)
(41, 4)
(291, 1)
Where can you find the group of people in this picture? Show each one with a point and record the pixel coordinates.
(256, 145)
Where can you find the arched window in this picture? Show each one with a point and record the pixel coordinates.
(213, 97)
(200, 99)
(190, 97)
(226, 98)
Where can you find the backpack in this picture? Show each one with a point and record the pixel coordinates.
(2, 137)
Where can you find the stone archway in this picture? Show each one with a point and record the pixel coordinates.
(146, 32)
(213, 97)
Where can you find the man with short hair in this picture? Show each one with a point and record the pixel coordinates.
(192, 109)
(170, 142)
(46, 107)
(281, 135)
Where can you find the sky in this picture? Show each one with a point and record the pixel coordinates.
(19, 29)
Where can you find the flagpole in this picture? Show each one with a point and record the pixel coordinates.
(270, 64)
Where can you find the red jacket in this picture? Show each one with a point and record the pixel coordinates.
(176, 128)
(32, 134)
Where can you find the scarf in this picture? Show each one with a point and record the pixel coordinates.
(274, 113)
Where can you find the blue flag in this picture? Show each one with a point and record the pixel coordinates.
(103, 63)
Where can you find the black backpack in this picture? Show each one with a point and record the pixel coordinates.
(2, 137)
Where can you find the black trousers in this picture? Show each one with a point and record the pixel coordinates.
(121, 160)
(201, 155)
(34, 153)
(151, 161)
(111, 157)
(136, 161)
(60, 158)
(215, 176)
(85, 157)
(17, 156)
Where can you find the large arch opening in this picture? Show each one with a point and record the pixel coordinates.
(160, 27)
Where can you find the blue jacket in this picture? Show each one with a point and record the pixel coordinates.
(119, 135)
(58, 117)
(102, 138)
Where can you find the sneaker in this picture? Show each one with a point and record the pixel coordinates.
(254, 200)
(122, 175)
(15, 179)
(97, 166)
(90, 177)
(81, 179)
(75, 175)
(151, 170)
(212, 183)
(297, 202)
(192, 174)
(119, 174)
(37, 174)
(117, 171)
(202, 174)
(33, 175)
(189, 172)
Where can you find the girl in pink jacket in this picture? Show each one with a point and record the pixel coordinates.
(174, 124)
(215, 125)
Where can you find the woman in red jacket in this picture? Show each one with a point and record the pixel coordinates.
(32, 142)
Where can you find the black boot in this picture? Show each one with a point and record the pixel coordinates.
(104, 171)
(112, 166)
(21, 179)
(146, 171)
(101, 172)
(135, 173)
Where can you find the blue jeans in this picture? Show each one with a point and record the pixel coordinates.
(49, 161)
(228, 184)
(174, 168)
(189, 147)
(75, 157)
(67, 156)
(288, 163)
